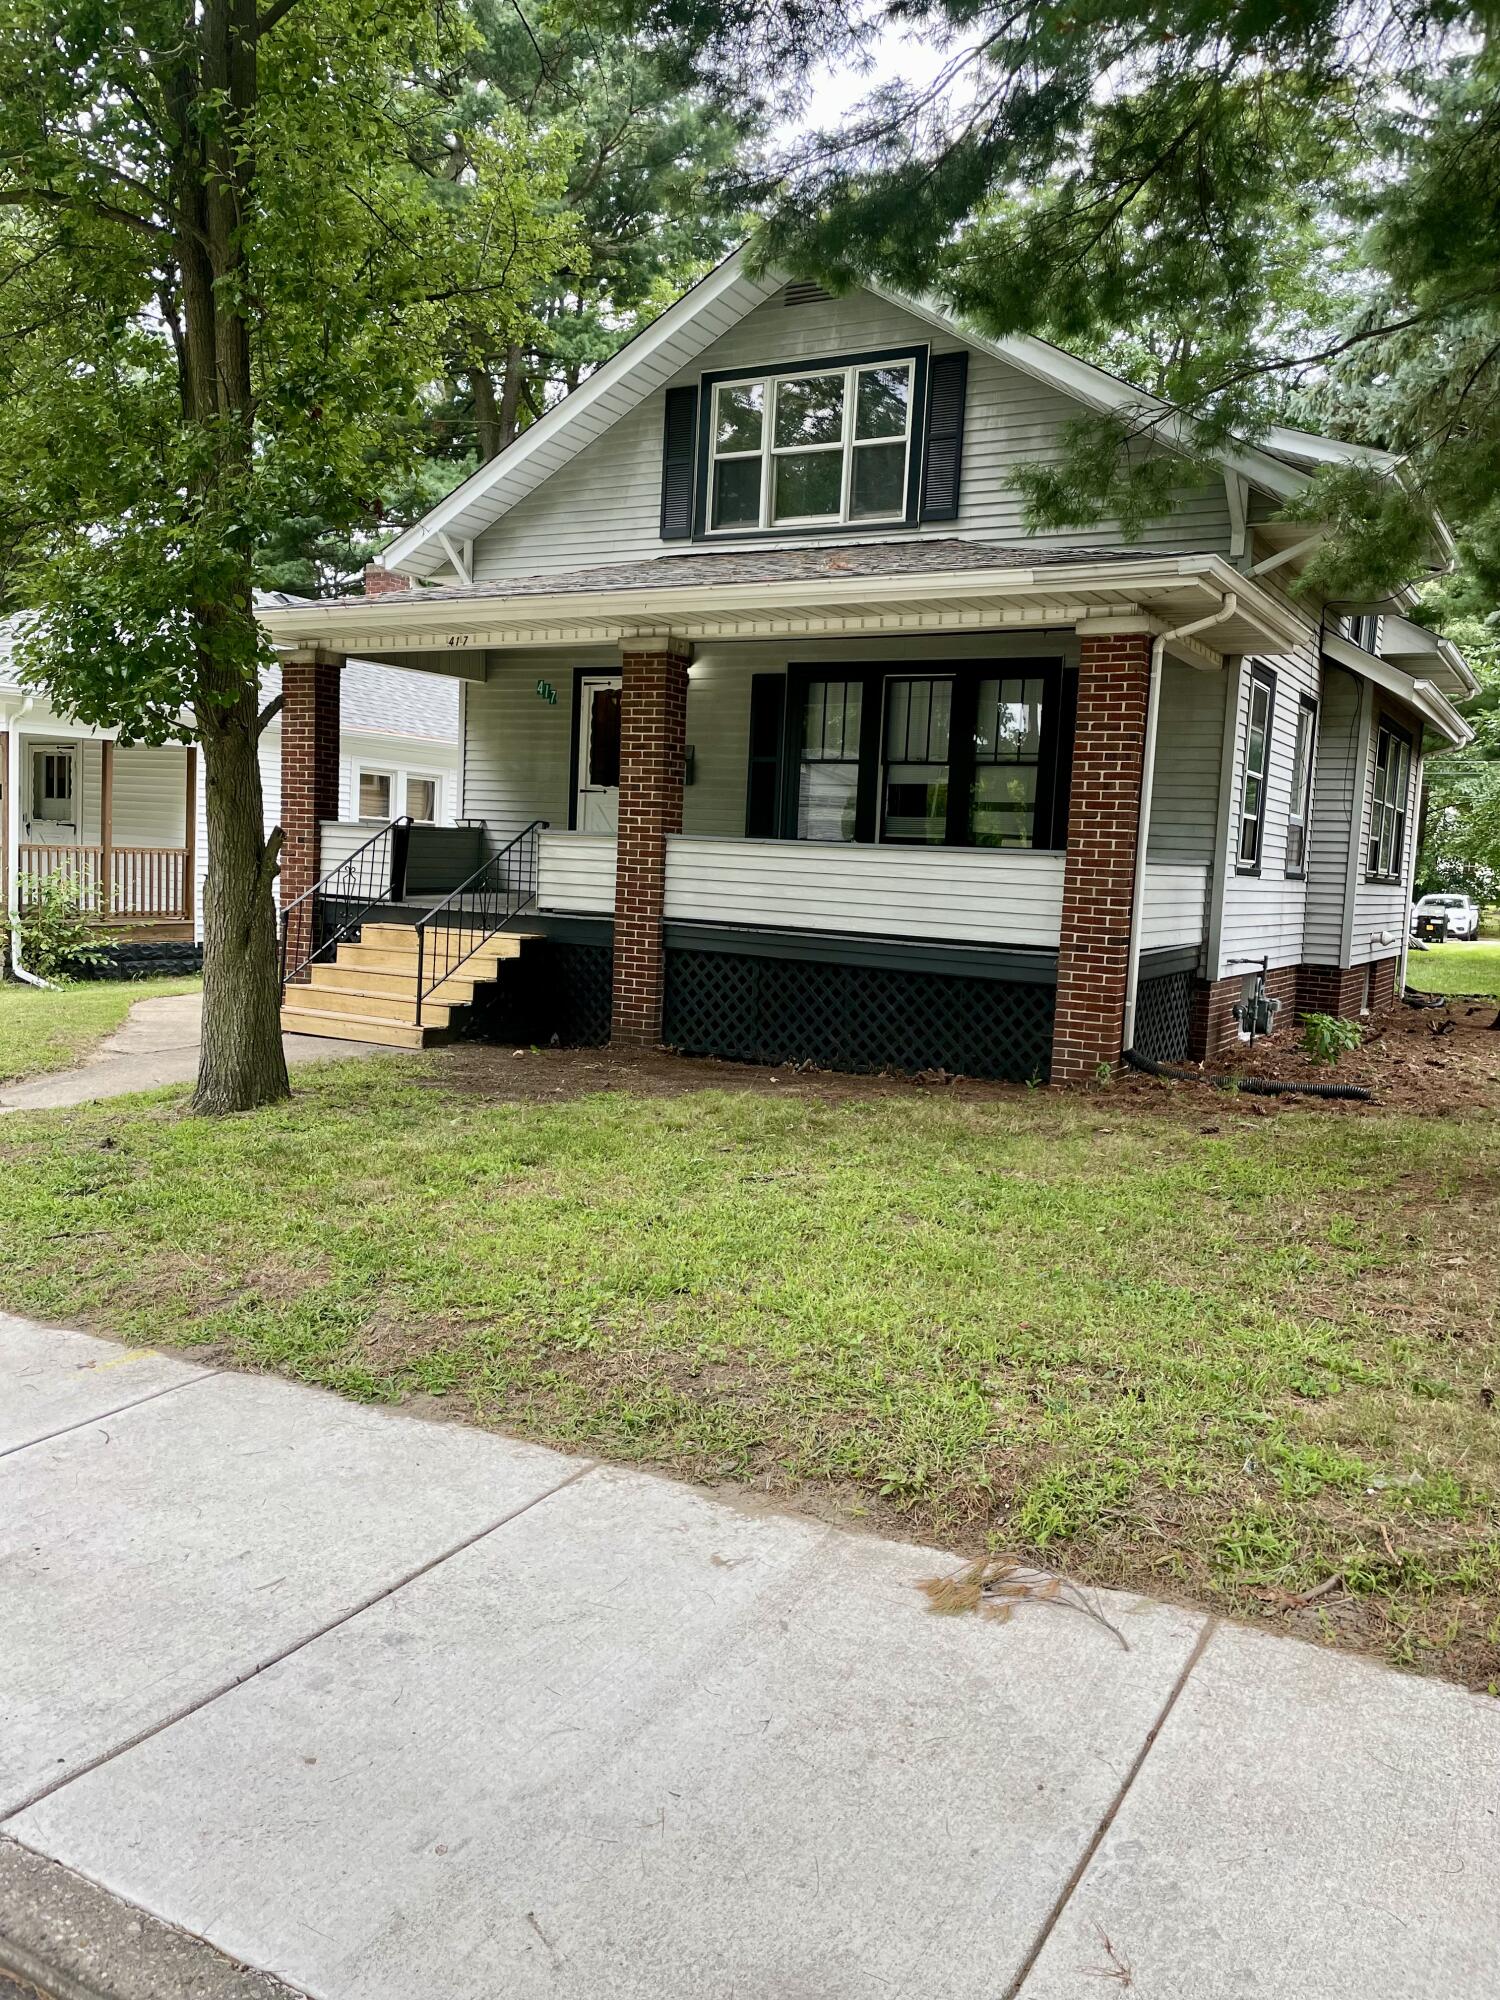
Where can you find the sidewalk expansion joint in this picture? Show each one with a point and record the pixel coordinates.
(103, 1416)
(1081, 1866)
(295, 1646)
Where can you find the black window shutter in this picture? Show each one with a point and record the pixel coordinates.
(763, 787)
(942, 462)
(679, 441)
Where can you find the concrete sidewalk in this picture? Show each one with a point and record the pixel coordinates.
(157, 1043)
(380, 1707)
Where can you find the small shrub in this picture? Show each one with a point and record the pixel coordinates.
(58, 938)
(1326, 1037)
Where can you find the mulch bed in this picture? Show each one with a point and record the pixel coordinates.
(1441, 1060)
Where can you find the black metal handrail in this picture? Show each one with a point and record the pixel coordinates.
(374, 874)
(493, 896)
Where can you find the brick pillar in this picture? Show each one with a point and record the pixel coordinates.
(309, 773)
(653, 748)
(1099, 876)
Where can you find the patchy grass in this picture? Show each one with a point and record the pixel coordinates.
(42, 1031)
(1240, 1358)
(1455, 968)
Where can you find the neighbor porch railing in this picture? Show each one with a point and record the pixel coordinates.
(109, 883)
(338, 905)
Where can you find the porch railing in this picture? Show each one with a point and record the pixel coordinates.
(492, 897)
(338, 905)
(109, 883)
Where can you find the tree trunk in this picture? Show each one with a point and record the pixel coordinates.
(510, 394)
(486, 414)
(241, 1063)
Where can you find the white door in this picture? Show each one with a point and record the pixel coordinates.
(54, 809)
(598, 804)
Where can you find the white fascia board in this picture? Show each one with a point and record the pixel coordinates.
(1318, 450)
(419, 550)
(1403, 639)
(458, 624)
(1428, 701)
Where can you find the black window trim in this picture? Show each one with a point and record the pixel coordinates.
(1385, 720)
(1307, 704)
(919, 356)
(1054, 774)
(1266, 676)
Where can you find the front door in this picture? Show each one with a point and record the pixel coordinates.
(597, 808)
(54, 811)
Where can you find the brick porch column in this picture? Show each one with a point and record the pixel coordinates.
(653, 748)
(309, 770)
(1099, 876)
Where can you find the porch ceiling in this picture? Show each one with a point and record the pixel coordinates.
(827, 594)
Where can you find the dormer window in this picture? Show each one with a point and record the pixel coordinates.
(815, 448)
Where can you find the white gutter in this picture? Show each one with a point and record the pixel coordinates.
(1227, 608)
(1423, 696)
(13, 844)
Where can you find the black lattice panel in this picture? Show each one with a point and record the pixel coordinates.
(1163, 1014)
(855, 1017)
(578, 981)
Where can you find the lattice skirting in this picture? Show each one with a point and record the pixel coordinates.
(578, 986)
(1163, 1016)
(171, 958)
(747, 1008)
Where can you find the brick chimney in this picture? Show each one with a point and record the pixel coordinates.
(379, 581)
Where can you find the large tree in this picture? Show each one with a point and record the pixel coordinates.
(224, 288)
(1293, 203)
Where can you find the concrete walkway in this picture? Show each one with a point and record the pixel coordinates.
(157, 1043)
(378, 1707)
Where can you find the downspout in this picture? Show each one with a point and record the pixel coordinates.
(12, 845)
(1227, 608)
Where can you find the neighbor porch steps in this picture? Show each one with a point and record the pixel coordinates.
(368, 993)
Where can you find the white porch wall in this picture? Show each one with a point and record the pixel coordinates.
(150, 797)
(1189, 757)
(604, 506)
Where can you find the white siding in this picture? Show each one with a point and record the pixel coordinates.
(1189, 752)
(1176, 906)
(604, 505)
(150, 797)
(1263, 914)
(966, 894)
(1384, 906)
(1336, 774)
(517, 745)
(577, 873)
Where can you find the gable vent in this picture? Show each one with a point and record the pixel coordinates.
(804, 294)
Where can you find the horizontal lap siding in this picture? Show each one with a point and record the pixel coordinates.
(603, 506)
(1264, 914)
(1189, 752)
(150, 797)
(517, 745)
(1176, 904)
(1336, 780)
(1384, 906)
(578, 873)
(872, 891)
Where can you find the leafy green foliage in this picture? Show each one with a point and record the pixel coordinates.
(1325, 1037)
(59, 938)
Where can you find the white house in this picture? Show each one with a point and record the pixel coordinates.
(786, 741)
(125, 824)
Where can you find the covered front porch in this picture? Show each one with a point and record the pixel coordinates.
(113, 824)
(841, 818)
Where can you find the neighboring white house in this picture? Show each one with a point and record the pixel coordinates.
(125, 823)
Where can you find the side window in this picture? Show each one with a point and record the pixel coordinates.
(1299, 812)
(828, 775)
(1257, 759)
(1392, 781)
(375, 794)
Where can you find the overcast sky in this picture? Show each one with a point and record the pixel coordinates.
(895, 55)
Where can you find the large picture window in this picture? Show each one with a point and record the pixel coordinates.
(1257, 762)
(819, 448)
(1392, 781)
(958, 756)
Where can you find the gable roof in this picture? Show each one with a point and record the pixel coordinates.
(709, 309)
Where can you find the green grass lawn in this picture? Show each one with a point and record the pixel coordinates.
(1455, 968)
(1154, 1340)
(41, 1031)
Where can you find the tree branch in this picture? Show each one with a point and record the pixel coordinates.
(268, 714)
(104, 210)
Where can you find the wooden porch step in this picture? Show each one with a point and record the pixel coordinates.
(366, 1005)
(403, 937)
(455, 992)
(479, 964)
(354, 1028)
